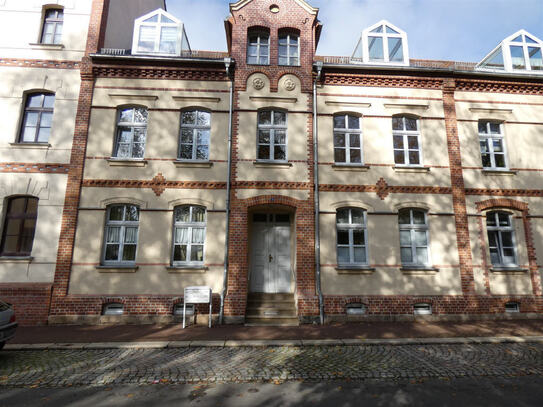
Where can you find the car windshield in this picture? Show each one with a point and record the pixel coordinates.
(4, 306)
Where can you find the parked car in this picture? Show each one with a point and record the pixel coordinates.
(7, 323)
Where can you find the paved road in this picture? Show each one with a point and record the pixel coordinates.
(52, 368)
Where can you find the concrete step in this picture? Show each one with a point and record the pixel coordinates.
(272, 297)
(274, 305)
(270, 312)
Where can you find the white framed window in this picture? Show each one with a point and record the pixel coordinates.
(406, 141)
(121, 234)
(347, 139)
(195, 135)
(382, 43)
(37, 118)
(520, 52)
(189, 232)
(272, 135)
(131, 133)
(492, 145)
(289, 48)
(501, 239)
(159, 32)
(53, 20)
(258, 47)
(414, 237)
(352, 237)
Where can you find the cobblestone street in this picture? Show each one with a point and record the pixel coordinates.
(241, 364)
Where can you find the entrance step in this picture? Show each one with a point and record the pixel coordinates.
(271, 309)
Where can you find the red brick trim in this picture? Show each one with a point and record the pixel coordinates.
(378, 96)
(479, 85)
(158, 183)
(384, 189)
(271, 185)
(505, 192)
(39, 63)
(35, 168)
(161, 72)
(389, 81)
(164, 89)
(501, 203)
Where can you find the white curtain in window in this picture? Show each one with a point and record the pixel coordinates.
(182, 236)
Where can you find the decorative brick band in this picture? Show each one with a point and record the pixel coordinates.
(164, 89)
(35, 168)
(505, 192)
(271, 185)
(39, 63)
(478, 85)
(501, 203)
(382, 189)
(358, 79)
(139, 72)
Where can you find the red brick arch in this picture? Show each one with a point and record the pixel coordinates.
(501, 203)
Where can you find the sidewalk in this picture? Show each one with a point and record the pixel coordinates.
(86, 337)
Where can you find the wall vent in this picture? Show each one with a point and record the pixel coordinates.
(422, 308)
(356, 309)
(512, 307)
(113, 308)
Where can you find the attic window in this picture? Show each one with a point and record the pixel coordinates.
(382, 43)
(114, 308)
(518, 52)
(422, 308)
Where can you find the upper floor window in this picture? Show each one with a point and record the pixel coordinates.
(519, 52)
(272, 135)
(19, 226)
(121, 234)
(289, 48)
(492, 145)
(382, 43)
(158, 32)
(131, 133)
(414, 248)
(347, 139)
(189, 235)
(258, 47)
(406, 140)
(352, 239)
(195, 132)
(37, 119)
(501, 239)
(52, 26)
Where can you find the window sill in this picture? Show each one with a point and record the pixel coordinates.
(16, 259)
(250, 64)
(117, 162)
(194, 164)
(186, 269)
(508, 270)
(117, 269)
(39, 45)
(420, 169)
(354, 269)
(272, 164)
(350, 167)
(418, 270)
(39, 146)
(498, 172)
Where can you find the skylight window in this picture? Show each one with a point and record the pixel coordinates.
(517, 53)
(382, 43)
(159, 33)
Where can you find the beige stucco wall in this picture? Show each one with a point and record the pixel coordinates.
(49, 189)
(21, 24)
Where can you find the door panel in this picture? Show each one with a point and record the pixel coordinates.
(282, 259)
(259, 264)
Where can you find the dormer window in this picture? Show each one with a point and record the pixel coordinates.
(382, 43)
(159, 33)
(518, 52)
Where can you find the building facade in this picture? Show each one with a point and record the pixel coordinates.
(299, 187)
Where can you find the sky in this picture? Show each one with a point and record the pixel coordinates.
(459, 30)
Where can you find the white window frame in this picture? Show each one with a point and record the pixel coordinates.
(489, 139)
(122, 225)
(140, 22)
(259, 34)
(195, 128)
(288, 36)
(505, 48)
(412, 228)
(55, 22)
(190, 226)
(272, 128)
(500, 230)
(132, 125)
(347, 133)
(384, 35)
(351, 227)
(405, 134)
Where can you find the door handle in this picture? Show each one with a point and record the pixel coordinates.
(270, 258)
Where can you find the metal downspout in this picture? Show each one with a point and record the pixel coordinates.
(318, 65)
(228, 62)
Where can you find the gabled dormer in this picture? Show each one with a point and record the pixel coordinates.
(520, 52)
(159, 33)
(382, 44)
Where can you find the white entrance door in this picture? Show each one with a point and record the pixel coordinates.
(270, 257)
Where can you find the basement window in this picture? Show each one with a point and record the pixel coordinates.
(356, 309)
(114, 308)
(422, 309)
(512, 307)
(178, 309)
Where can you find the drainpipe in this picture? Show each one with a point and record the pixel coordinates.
(318, 65)
(228, 62)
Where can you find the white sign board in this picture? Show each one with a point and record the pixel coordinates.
(197, 295)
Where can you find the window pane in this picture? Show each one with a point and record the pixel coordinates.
(166, 20)
(354, 122)
(198, 235)
(339, 155)
(483, 143)
(486, 161)
(495, 128)
(280, 137)
(509, 256)
(202, 137)
(406, 255)
(492, 238)
(342, 216)
(504, 219)
(395, 51)
(536, 58)
(127, 115)
(116, 212)
(357, 216)
(46, 119)
(34, 100)
(418, 217)
(187, 136)
(188, 117)
(49, 101)
(339, 122)
(112, 252)
(355, 156)
(404, 217)
(252, 60)
(414, 157)
(180, 253)
(343, 237)
(264, 117)
(420, 239)
(422, 255)
(413, 142)
(343, 255)
(359, 255)
(197, 253)
(29, 134)
(10, 243)
(13, 226)
(31, 119)
(203, 119)
(132, 213)
(339, 139)
(168, 39)
(129, 252)
(198, 214)
(517, 57)
(147, 39)
(398, 142)
(113, 234)
(397, 123)
(152, 19)
(182, 214)
(123, 151)
(43, 135)
(140, 115)
(139, 135)
(410, 124)
(32, 206)
(482, 127)
(399, 157)
(405, 238)
(507, 239)
(279, 153)
(186, 152)
(182, 235)
(354, 140)
(494, 257)
(279, 118)
(263, 152)
(264, 136)
(358, 238)
(138, 150)
(131, 235)
(283, 61)
(202, 153)
(376, 48)
(500, 160)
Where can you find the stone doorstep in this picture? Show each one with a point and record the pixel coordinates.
(280, 342)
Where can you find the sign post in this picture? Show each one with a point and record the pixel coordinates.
(197, 295)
